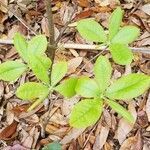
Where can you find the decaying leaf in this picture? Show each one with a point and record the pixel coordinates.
(101, 138)
(124, 127)
(8, 131)
(132, 143)
(73, 64)
(73, 134)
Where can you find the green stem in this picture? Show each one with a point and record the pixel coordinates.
(36, 103)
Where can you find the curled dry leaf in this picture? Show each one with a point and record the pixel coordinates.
(30, 139)
(124, 127)
(133, 143)
(73, 64)
(101, 138)
(142, 119)
(8, 131)
(9, 113)
(68, 105)
(73, 134)
(58, 119)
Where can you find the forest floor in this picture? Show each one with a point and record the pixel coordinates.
(21, 130)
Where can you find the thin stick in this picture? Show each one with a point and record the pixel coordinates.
(85, 46)
(20, 19)
(52, 46)
(66, 25)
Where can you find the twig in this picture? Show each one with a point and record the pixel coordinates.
(89, 62)
(97, 47)
(20, 19)
(85, 46)
(52, 46)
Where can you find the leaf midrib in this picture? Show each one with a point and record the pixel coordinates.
(12, 69)
(128, 87)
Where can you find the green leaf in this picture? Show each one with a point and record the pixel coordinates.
(126, 35)
(87, 87)
(40, 66)
(103, 71)
(128, 87)
(91, 30)
(11, 70)
(58, 72)
(121, 110)
(121, 54)
(37, 45)
(32, 91)
(52, 146)
(115, 22)
(86, 113)
(21, 45)
(67, 88)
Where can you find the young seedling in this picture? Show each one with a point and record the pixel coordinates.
(99, 92)
(33, 57)
(117, 40)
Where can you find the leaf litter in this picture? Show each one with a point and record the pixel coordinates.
(25, 128)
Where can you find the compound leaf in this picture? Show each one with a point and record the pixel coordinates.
(91, 30)
(128, 87)
(86, 113)
(87, 87)
(121, 111)
(21, 45)
(58, 72)
(32, 91)
(67, 88)
(115, 22)
(11, 70)
(126, 35)
(40, 66)
(103, 71)
(37, 45)
(52, 146)
(121, 54)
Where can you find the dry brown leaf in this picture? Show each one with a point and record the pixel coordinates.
(73, 134)
(142, 119)
(8, 131)
(148, 107)
(1, 113)
(73, 64)
(107, 118)
(15, 147)
(59, 119)
(2, 7)
(44, 26)
(124, 127)
(12, 31)
(83, 3)
(132, 143)
(68, 105)
(103, 2)
(101, 138)
(9, 113)
(84, 14)
(146, 9)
